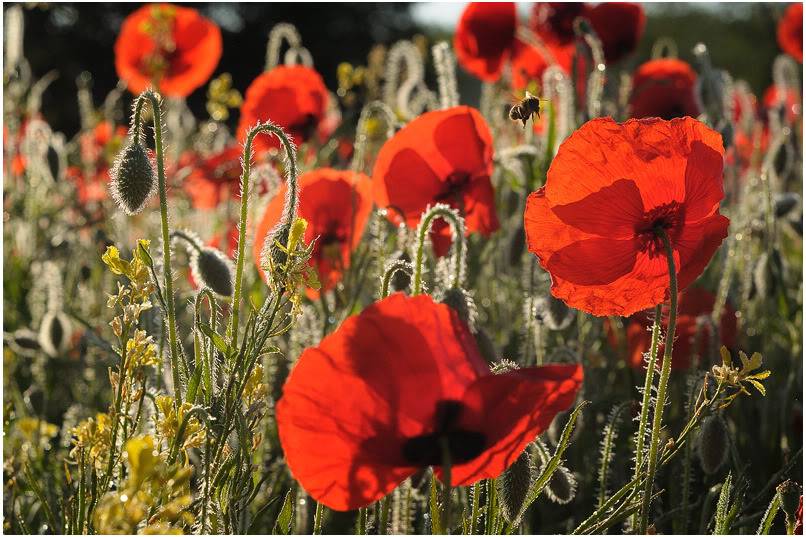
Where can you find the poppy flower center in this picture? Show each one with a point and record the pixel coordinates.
(664, 218)
(463, 445)
(455, 185)
(305, 127)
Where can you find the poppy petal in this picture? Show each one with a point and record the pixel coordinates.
(696, 246)
(703, 182)
(512, 409)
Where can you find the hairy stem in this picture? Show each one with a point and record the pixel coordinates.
(453, 218)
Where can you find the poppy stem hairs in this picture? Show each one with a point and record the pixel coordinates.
(458, 225)
(289, 212)
(393, 268)
(155, 101)
(666, 369)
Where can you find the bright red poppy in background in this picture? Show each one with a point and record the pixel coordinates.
(664, 88)
(693, 303)
(789, 99)
(444, 156)
(619, 25)
(98, 148)
(369, 406)
(336, 204)
(172, 48)
(213, 179)
(484, 38)
(610, 187)
(790, 31)
(294, 97)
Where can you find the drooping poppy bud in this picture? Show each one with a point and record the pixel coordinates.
(133, 178)
(712, 444)
(462, 303)
(514, 484)
(790, 497)
(214, 270)
(401, 279)
(24, 342)
(54, 333)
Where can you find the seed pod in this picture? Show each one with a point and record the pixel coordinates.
(214, 270)
(513, 485)
(712, 444)
(553, 313)
(400, 279)
(790, 497)
(462, 303)
(133, 178)
(562, 487)
(54, 333)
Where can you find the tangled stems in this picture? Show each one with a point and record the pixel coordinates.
(645, 402)
(456, 222)
(666, 369)
(156, 111)
(288, 216)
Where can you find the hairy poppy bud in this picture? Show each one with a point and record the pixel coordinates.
(462, 303)
(562, 487)
(271, 251)
(214, 270)
(513, 485)
(401, 279)
(712, 444)
(553, 313)
(24, 342)
(54, 333)
(133, 178)
(790, 497)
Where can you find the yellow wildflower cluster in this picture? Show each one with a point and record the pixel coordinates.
(29, 436)
(738, 379)
(294, 274)
(255, 389)
(94, 437)
(152, 500)
(169, 422)
(221, 96)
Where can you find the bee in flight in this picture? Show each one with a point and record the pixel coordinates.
(524, 110)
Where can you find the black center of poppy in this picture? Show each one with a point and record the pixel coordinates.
(667, 218)
(305, 127)
(463, 445)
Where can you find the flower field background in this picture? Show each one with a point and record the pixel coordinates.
(333, 269)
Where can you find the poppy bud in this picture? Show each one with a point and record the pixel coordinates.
(401, 279)
(562, 487)
(513, 485)
(712, 444)
(272, 254)
(461, 302)
(790, 492)
(785, 202)
(24, 342)
(133, 178)
(553, 313)
(214, 270)
(54, 333)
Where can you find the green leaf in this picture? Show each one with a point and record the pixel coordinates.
(283, 523)
(436, 515)
(722, 518)
(215, 337)
(769, 516)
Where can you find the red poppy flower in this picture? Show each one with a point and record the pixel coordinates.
(693, 304)
(294, 97)
(98, 148)
(554, 21)
(214, 178)
(529, 63)
(336, 204)
(619, 26)
(789, 100)
(609, 189)
(664, 88)
(172, 48)
(444, 156)
(790, 31)
(484, 38)
(371, 404)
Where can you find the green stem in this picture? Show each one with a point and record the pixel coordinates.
(452, 216)
(446, 485)
(156, 111)
(187, 238)
(391, 270)
(646, 400)
(666, 369)
(288, 214)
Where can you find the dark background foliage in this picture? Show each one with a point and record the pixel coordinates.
(73, 38)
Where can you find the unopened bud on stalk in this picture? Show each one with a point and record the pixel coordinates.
(133, 177)
(214, 270)
(24, 342)
(462, 303)
(400, 279)
(790, 497)
(513, 485)
(562, 487)
(54, 333)
(272, 254)
(712, 444)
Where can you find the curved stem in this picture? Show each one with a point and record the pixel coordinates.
(666, 369)
(391, 270)
(155, 100)
(289, 212)
(647, 396)
(187, 238)
(452, 216)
